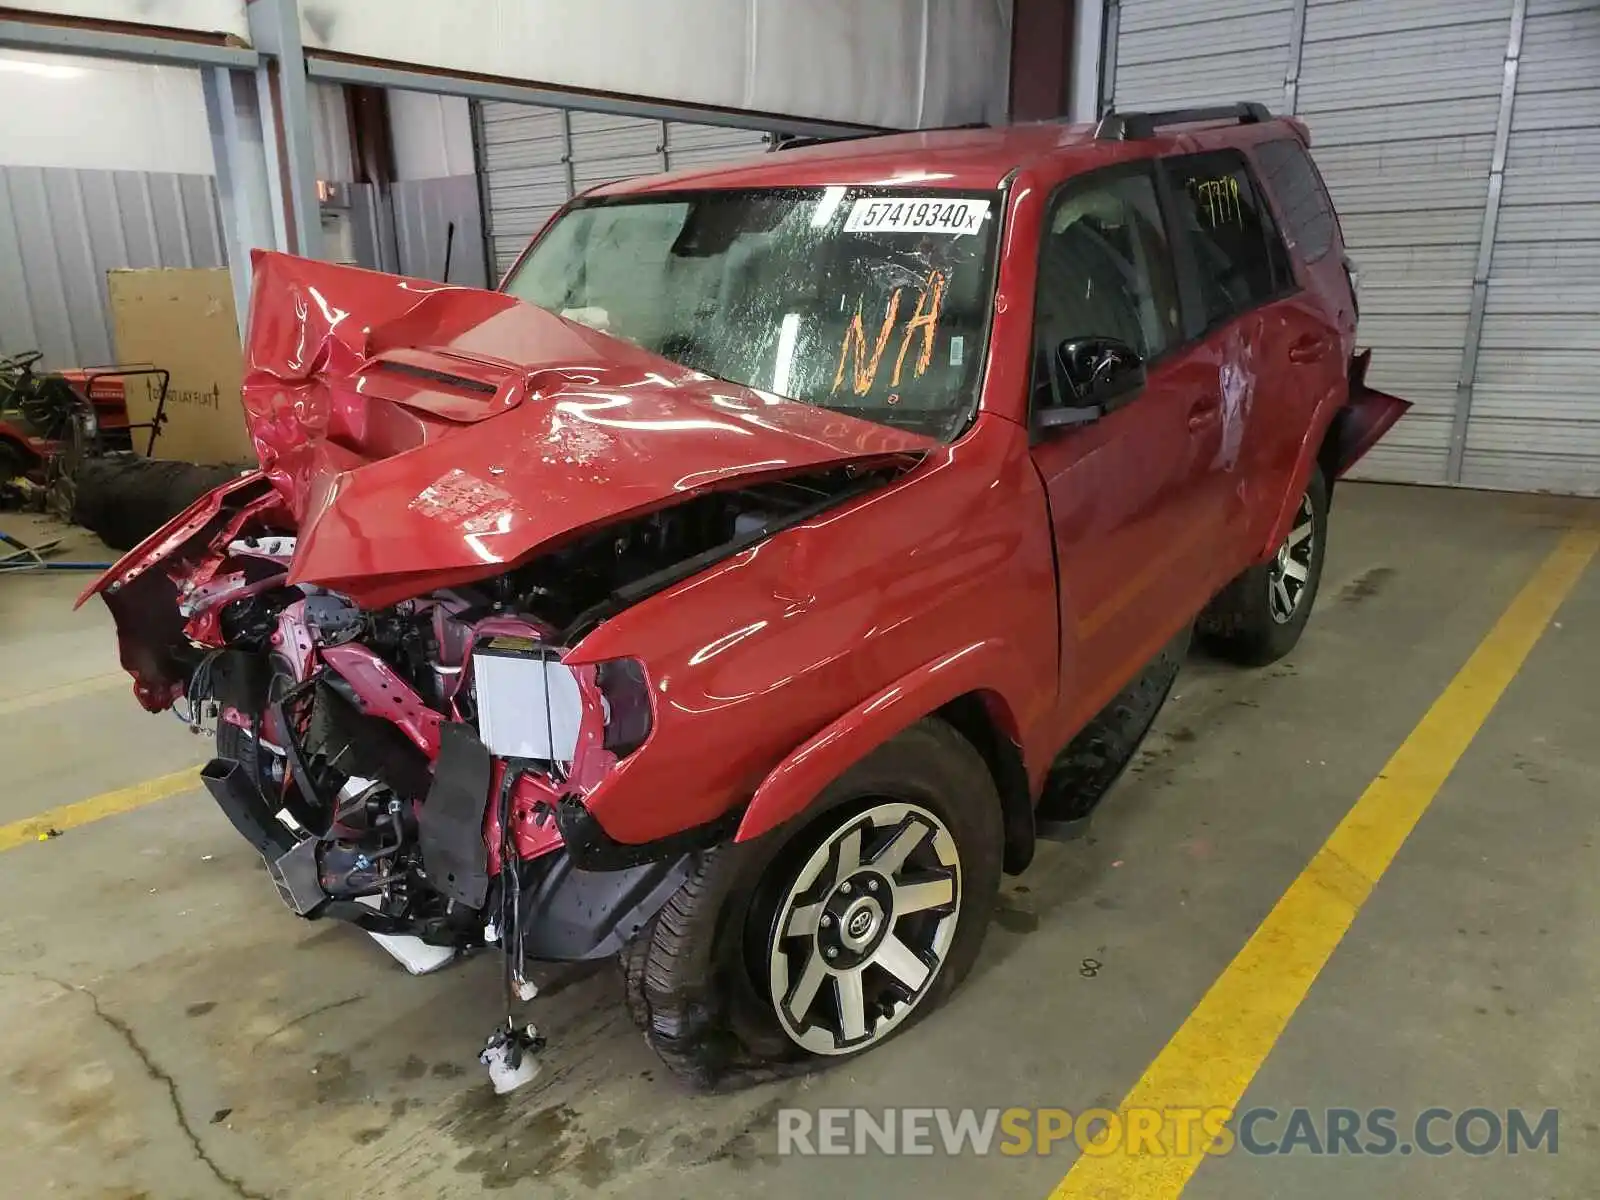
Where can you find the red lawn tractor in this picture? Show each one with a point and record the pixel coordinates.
(51, 421)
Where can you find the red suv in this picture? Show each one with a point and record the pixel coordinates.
(778, 553)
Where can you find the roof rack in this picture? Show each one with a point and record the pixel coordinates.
(1119, 127)
(784, 141)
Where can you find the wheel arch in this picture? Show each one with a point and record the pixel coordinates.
(1320, 445)
(960, 689)
(981, 718)
(1343, 428)
(1327, 457)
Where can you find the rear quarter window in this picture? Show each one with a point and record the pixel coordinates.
(1289, 175)
(1237, 250)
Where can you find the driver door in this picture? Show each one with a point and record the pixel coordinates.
(1132, 497)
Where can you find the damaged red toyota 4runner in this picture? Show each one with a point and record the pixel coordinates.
(781, 550)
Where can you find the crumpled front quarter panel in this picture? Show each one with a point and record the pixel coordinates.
(752, 658)
(309, 322)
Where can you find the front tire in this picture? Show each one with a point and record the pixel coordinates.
(825, 938)
(1259, 617)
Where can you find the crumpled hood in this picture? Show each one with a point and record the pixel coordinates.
(426, 435)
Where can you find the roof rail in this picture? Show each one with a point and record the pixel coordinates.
(1118, 127)
(783, 141)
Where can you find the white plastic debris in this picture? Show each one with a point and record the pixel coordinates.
(414, 954)
(512, 1057)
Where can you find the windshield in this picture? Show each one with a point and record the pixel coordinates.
(869, 301)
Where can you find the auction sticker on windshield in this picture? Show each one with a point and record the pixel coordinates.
(916, 214)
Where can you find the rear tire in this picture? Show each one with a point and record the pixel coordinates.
(756, 919)
(1259, 617)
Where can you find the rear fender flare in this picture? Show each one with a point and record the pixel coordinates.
(791, 786)
(1343, 429)
(1322, 423)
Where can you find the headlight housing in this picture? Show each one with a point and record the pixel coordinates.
(533, 706)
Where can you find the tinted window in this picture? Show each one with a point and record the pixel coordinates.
(1289, 176)
(1238, 254)
(1105, 268)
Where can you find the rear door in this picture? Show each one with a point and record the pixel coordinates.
(1306, 215)
(1131, 498)
(1268, 340)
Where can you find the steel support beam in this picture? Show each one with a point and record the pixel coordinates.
(1467, 378)
(136, 47)
(1291, 74)
(1108, 56)
(252, 217)
(338, 70)
(1086, 44)
(567, 159)
(480, 168)
(275, 29)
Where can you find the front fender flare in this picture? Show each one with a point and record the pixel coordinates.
(794, 783)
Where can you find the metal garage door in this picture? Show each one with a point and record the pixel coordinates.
(1175, 52)
(535, 159)
(1410, 104)
(1535, 418)
(1401, 98)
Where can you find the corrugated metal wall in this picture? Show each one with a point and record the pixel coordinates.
(61, 230)
(423, 211)
(1535, 419)
(535, 159)
(1172, 52)
(1403, 98)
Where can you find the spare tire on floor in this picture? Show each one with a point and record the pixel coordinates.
(122, 498)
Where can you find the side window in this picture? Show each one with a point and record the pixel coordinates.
(1105, 267)
(1289, 176)
(1239, 256)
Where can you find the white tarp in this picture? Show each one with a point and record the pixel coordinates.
(207, 16)
(900, 63)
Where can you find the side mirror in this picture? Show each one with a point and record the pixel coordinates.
(1089, 377)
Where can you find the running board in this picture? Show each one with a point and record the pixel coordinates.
(1094, 760)
(1073, 829)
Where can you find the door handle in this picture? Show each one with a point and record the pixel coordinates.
(1309, 349)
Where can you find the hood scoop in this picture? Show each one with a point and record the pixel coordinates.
(456, 388)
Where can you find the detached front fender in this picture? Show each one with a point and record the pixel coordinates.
(177, 534)
(794, 783)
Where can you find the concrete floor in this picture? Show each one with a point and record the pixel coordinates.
(167, 1029)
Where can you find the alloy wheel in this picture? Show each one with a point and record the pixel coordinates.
(864, 929)
(1288, 573)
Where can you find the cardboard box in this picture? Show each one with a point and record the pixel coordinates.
(182, 319)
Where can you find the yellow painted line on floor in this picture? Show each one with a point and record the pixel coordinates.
(1214, 1055)
(65, 691)
(107, 804)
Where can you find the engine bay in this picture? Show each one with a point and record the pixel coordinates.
(419, 768)
(387, 762)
